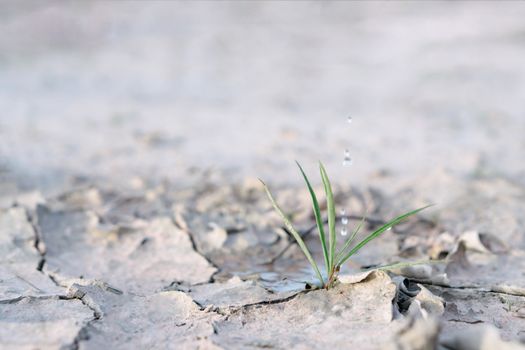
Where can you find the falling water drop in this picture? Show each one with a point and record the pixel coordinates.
(344, 222)
(347, 160)
(344, 217)
(349, 120)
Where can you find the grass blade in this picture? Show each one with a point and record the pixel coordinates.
(349, 240)
(331, 215)
(402, 264)
(294, 233)
(379, 231)
(318, 219)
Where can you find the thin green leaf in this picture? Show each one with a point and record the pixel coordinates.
(318, 219)
(294, 233)
(350, 240)
(331, 215)
(379, 231)
(402, 264)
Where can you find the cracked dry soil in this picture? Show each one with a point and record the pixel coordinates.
(160, 267)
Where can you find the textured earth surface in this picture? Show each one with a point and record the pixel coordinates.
(132, 136)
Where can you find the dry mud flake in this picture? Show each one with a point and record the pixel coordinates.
(468, 308)
(228, 219)
(476, 266)
(415, 333)
(350, 315)
(416, 301)
(162, 320)
(42, 323)
(493, 206)
(142, 260)
(233, 293)
(19, 259)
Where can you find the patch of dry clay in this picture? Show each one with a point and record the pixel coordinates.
(43, 323)
(233, 293)
(160, 320)
(140, 260)
(20, 259)
(361, 313)
(466, 308)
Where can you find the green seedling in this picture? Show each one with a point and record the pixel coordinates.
(333, 258)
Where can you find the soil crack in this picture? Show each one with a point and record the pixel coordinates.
(490, 290)
(196, 249)
(37, 241)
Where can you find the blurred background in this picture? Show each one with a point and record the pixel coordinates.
(162, 90)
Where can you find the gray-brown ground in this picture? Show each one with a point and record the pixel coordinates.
(131, 136)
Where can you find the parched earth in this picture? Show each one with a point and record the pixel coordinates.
(132, 136)
(211, 267)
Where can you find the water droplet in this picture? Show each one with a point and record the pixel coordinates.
(344, 220)
(389, 229)
(349, 120)
(347, 160)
